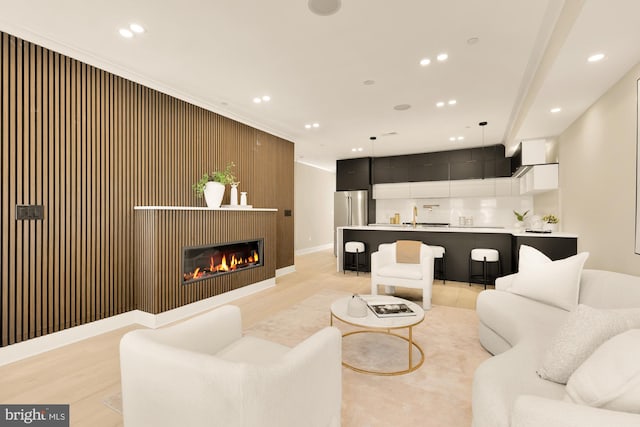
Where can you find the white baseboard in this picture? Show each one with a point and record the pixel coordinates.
(34, 346)
(314, 249)
(285, 270)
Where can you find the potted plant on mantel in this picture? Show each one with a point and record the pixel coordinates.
(212, 185)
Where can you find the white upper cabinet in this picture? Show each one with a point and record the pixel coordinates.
(392, 191)
(429, 189)
(473, 188)
(539, 178)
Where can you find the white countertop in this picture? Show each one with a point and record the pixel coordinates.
(514, 232)
(201, 208)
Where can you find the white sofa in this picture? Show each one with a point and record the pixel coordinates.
(386, 271)
(517, 330)
(203, 372)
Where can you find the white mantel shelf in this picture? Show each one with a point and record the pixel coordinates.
(200, 208)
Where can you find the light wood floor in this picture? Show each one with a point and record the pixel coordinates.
(85, 373)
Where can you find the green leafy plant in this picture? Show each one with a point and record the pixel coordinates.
(550, 219)
(521, 216)
(224, 177)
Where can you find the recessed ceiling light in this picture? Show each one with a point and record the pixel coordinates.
(402, 107)
(307, 126)
(596, 57)
(442, 57)
(359, 148)
(452, 102)
(556, 110)
(316, 125)
(369, 82)
(125, 33)
(136, 28)
(439, 104)
(425, 61)
(257, 100)
(324, 7)
(460, 138)
(266, 98)
(453, 138)
(390, 133)
(353, 149)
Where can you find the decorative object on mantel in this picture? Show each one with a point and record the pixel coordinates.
(243, 198)
(212, 185)
(520, 219)
(234, 194)
(550, 222)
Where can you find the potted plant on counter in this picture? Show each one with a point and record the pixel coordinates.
(550, 222)
(212, 185)
(520, 217)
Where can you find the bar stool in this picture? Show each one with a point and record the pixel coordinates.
(485, 256)
(439, 258)
(354, 249)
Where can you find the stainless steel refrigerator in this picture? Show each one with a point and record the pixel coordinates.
(349, 208)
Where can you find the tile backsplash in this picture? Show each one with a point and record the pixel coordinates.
(484, 211)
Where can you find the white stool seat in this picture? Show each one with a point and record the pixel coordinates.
(438, 251)
(354, 247)
(481, 254)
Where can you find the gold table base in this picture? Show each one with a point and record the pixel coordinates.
(386, 331)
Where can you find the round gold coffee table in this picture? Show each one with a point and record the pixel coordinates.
(385, 325)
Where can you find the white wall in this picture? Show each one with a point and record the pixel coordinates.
(314, 190)
(597, 156)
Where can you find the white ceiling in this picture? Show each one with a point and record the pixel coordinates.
(220, 54)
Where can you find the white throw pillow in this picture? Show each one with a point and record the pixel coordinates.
(583, 331)
(530, 258)
(553, 282)
(610, 378)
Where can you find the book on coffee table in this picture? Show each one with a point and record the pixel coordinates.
(391, 310)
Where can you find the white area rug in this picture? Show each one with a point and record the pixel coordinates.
(436, 394)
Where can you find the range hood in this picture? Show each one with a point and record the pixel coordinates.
(528, 154)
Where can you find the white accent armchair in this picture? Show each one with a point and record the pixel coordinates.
(203, 372)
(386, 271)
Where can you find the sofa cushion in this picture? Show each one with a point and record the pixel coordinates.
(513, 317)
(530, 258)
(584, 330)
(553, 282)
(608, 289)
(610, 377)
(401, 271)
(253, 350)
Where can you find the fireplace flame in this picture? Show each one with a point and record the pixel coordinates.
(230, 262)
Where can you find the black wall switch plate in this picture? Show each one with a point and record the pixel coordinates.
(29, 212)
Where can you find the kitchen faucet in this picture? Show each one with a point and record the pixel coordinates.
(415, 215)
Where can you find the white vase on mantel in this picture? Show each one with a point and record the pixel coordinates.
(519, 226)
(213, 194)
(234, 194)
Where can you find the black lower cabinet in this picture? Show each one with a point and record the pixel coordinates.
(458, 247)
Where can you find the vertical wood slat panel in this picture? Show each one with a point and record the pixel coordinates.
(89, 146)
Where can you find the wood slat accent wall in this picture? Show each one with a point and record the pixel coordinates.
(162, 234)
(89, 145)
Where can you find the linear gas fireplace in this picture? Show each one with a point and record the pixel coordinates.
(205, 262)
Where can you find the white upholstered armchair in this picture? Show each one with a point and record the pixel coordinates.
(203, 372)
(386, 271)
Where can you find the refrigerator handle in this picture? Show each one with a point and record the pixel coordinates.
(349, 217)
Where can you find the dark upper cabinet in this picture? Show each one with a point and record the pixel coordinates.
(429, 167)
(353, 174)
(391, 169)
(468, 163)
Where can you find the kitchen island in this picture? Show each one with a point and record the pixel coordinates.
(458, 243)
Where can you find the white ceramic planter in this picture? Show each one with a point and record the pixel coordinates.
(213, 194)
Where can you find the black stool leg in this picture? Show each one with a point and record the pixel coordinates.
(470, 262)
(357, 263)
(484, 272)
(444, 270)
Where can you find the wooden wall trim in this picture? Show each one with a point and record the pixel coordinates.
(88, 146)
